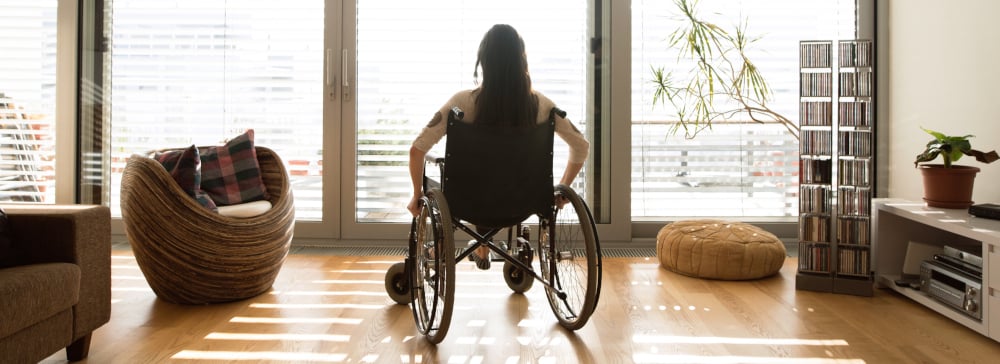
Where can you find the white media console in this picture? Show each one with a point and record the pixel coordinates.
(898, 222)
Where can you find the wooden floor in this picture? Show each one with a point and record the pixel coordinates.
(332, 308)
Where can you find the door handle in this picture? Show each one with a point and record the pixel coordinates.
(346, 86)
(331, 79)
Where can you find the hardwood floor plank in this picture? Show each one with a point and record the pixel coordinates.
(333, 308)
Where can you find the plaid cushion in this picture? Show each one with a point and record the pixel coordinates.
(184, 166)
(230, 173)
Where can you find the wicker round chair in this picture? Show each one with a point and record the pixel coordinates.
(191, 255)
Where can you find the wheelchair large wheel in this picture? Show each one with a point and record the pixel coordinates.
(570, 259)
(433, 257)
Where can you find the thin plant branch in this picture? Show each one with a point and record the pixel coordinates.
(722, 72)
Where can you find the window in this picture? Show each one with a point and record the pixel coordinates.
(27, 100)
(412, 56)
(738, 168)
(201, 71)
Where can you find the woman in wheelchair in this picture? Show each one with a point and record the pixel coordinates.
(504, 98)
(499, 176)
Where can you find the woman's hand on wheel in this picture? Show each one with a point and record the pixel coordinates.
(414, 205)
(560, 201)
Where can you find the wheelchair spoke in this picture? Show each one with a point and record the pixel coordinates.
(569, 312)
(570, 278)
(433, 265)
(570, 259)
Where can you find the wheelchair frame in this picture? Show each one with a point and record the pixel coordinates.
(425, 279)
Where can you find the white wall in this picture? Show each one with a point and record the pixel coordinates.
(943, 74)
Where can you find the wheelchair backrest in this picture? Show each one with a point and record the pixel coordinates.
(497, 177)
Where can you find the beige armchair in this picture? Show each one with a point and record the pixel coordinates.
(59, 289)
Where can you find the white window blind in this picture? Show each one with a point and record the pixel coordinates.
(27, 100)
(738, 168)
(202, 71)
(412, 56)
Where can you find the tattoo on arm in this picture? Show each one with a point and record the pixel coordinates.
(435, 120)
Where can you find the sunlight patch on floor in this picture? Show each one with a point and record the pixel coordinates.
(296, 320)
(697, 359)
(651, 339)
(319, 306)
(276, 337)
(260, 355)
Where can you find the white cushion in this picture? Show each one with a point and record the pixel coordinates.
(249, 209)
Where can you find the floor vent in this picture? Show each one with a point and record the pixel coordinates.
(349, 251)
(628, 252)
(395, 251)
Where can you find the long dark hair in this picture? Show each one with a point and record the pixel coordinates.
(505, 97)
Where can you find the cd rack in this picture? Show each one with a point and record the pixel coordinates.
(836, 155)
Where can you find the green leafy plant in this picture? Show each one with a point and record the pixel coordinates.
(721, 70)
(951, 149)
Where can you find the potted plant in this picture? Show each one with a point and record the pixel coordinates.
(949, 185)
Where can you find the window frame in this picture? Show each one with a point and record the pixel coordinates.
(616, 225)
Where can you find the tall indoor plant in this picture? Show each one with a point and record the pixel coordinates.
(949, 185)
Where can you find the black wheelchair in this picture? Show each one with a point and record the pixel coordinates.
(499, 179)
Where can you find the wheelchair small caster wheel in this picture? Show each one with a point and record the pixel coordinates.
(517, 279)
(397, 283)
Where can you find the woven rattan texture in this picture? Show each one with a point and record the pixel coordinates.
(191, 255)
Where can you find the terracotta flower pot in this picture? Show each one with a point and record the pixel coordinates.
(949, 188)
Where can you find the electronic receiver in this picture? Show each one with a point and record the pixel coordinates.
(959, 290)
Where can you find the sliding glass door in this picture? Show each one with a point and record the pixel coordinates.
(745, 165)
(339, 88)
(203, 71)
(408, 58)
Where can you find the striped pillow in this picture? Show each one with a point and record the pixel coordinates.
(230, 173)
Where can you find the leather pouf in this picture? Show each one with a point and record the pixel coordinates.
(718, 249)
